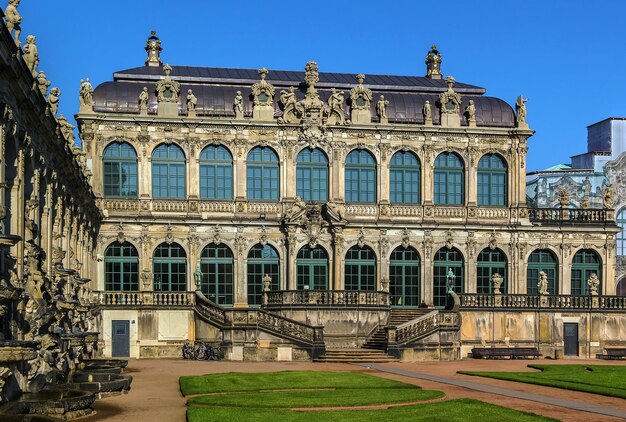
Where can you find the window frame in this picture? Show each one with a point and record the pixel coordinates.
(358, 173)
(446, 172)
(268, 176)
(121, 162)
(402, 171)
(494, 199)
(312, 171)
(172, 191)
(220, 170)
(216, 271)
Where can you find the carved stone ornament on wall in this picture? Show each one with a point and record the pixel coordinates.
(450, 100)
(361, 98)
(167, 90)
(361, 238)
(449, 239)
(406, 241)
(169, 237)
(493, 241)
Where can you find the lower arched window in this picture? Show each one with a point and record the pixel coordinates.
(360, 270)
(121, 267)
(404, 277)
(585, 263)
(312, 269)
(169, 268)
(448, 266)
(490, 262)
(216, 265)
(542, 260)
(262, 261)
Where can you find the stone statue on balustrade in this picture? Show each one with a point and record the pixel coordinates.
(335, 112)
(381, 110)
(288, 98)
(238, 106)
(263, 93)
(496, 281)
(13, 20)
(361, 98)
(543, 283)
(67, 129)
(197, 276)
(31, 55)
(53, 101)
(593, 282)
(520, 108)
(143, 100)
(85, 96)
(608, 201)
(42, 83)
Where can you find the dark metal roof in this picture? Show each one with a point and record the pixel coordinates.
(285, 78)
(217, 100)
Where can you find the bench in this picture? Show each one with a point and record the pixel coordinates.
(525, 353)
(505, 352)
(612, 353)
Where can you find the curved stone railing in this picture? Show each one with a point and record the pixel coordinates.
(342, 298)
(481, 301)
(209, 311)
(423, 326)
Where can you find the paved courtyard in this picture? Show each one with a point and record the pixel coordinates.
(156, 397)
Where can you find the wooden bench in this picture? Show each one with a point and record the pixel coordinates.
(612, 353)
(525, 353)
(505, 352)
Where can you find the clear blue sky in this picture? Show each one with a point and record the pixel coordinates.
(567, 57)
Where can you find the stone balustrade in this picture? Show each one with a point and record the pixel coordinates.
(146, 299)
(568, 215)
(520, 301)
(336, 298)
(423, 326)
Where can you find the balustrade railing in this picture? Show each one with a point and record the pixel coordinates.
(519, 301)
(110, 298)
(121, 204)
(562, 215)
(326, 298)
(424, 325)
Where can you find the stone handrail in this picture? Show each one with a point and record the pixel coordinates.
(423, 326)
(209, 311)
(517, 301)
(573, 215)
(112, 298)
(345, 298)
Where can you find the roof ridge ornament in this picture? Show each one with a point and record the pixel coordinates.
(153, 48)
(450, 105)
(433, 63)
(361, 99)
(168, 92)
(263, 93)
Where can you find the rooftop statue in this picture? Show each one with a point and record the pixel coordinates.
(290, 107)
(143, 99)
(450, 103)
(335, 112)
(433, 63)
(31, 55)
(13, 20)
(381, 109)
(67, 129)
(167, 89)
(192, 102)
(470, 114)
(520, 108)
(85, 96)
(238, 105)
(53, 100)
(361, 98)
(428, 113)
(42, 83)
(608, 200)
(263, 93)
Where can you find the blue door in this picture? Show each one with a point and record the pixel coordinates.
(120, 339)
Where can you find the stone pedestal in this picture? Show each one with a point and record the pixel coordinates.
(191, 113)
(143, 111)
(265, 113)
(543, 301)
(167, 110)
(450, 120)
(361, 116)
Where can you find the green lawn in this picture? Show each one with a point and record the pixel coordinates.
(256, 396)
(608, 380)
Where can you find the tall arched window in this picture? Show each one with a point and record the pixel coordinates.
(312, 175)
(489, 263)
(121, 267)
(263, 180)
(448, 179)
(585, 263)
(119, 165)
(538, 261)
(492, 181)
(169, 268)
(621, 236)
(360, 270)
(216, 173)
(621, 287)
(447, 260)
(404, 178)
(262, 260)
(360, 177)
(312, 268)
(216, 264)
(404, 277)
(168, 172)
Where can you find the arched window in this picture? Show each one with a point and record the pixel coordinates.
(538, 261)
(312, 268)
(489, 263)
(360, 271)
(262, 260)
(585, 263)
(360, 177)
(120, 171)
(404, 277)
(263, 180)
(621, 236)
(121, 267)
(312, 175)
(404, 178)
(447, 260)
(169, 268)
(216, 173)
(492, 181)
(216, 264)
(168, 172)
(621, 287)
(448, 179)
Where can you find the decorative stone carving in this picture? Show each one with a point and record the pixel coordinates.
(153, 48)
(31, 55)
(313, 128)
(53, 101)
(13, 20)
(291, 113)
(433, 63)
(428, 113)
(449, 240)
(334, 213)
(470, 114)
(381, 110)
(384, 284)
(608, 198)
(263, 93)
(238, 106)
(42, 83)
(169, 236)
(593, 282)
(85, 96)
(263, 236)
(471, 244)
(192, 101)
(361, 98)
(335, 112)
(296, 211)
(564, 198)
(450, 105)
(543, 283)
(361, 238)
(496, 282)
(67, 129)
(168, 92)
(406, 240)
(493, 241)
(520, 109)
(143, 101)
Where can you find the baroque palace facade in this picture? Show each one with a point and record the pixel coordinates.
(322, 210)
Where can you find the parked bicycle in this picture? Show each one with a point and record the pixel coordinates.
(202, 351)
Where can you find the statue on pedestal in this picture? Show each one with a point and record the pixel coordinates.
(593, 282)
(86, 95)
(53, 100)
(31, 55)
(381, 109)
(238, 106)
(543, 283)
(13, 20)
(496, 281)
(143, 100)
(520, 108)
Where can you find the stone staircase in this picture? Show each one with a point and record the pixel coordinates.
(355, 355)
(378, 340)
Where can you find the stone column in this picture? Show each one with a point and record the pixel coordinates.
(144, 170)
(239, 188)
(470, 274)
(428, 176)
(192, 173)
(471, 180)
(566, 276)
(291, 249)
(241, 285)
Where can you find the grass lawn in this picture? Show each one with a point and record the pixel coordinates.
(256, 396)
(608, 380)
